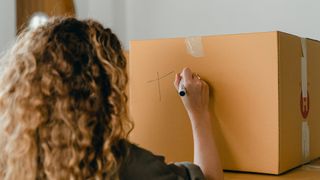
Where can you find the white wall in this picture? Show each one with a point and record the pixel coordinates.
(81, 7)
(171, 18)
(149, 19)
(7, 23)
(111, 13)
(145, 19)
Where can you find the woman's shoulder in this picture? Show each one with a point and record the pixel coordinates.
(143, 164)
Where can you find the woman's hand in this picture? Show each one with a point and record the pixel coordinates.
(196, 100)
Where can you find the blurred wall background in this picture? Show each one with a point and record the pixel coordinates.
(7, 23)
(145, 19)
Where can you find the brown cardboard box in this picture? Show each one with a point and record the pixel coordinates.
(256, 98)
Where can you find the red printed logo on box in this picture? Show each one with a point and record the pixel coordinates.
(304, 105)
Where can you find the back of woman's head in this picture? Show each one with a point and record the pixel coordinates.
(63, 103)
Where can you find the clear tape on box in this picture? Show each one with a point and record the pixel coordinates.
(305, 141)
(312, 166)
(194, 46)
(304, 95)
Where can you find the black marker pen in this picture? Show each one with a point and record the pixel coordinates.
(182, 90)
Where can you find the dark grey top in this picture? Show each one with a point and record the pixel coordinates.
(144, 165)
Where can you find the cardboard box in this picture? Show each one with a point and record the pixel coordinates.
(257, 103)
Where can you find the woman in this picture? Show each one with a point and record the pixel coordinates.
(64, 116)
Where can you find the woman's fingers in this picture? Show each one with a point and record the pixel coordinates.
(188, 78)
(177, 81)
(186, 75)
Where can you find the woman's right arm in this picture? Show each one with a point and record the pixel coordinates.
(196, 102)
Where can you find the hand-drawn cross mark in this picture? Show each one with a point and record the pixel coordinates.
(158, 81)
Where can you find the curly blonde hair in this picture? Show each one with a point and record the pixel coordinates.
(63, 106)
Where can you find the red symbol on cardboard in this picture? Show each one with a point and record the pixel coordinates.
(304, 105)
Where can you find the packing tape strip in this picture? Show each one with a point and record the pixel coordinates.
(304, 75)
(194, 46)
(305, 141)
(304, 91)
(312, 166)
